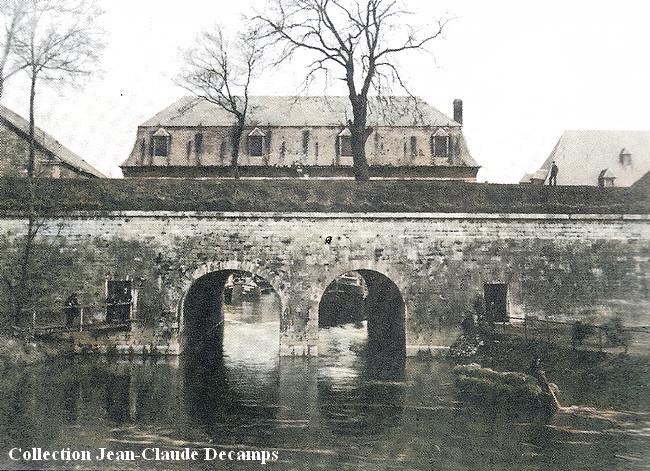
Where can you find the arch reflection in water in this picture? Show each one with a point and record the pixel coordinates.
(230, 362)
(362, 363)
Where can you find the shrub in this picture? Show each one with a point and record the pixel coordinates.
(580, 332)
(510, 391)
(15, 353)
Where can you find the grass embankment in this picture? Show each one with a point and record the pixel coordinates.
(147, 194)
(604, 380)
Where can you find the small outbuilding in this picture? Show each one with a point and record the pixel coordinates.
(598, 158)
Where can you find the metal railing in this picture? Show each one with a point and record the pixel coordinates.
(85, 312)
(578, 335)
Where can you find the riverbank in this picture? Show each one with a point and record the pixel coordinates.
(596, 379)
(16, 353)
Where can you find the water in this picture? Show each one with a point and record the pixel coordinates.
(340, 411)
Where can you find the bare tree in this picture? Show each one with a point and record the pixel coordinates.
(220, 71)
(359, 40)
(12, 13)
(59, 41)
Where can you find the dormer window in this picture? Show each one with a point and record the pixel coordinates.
(625, 157)
(255, 143)
(161, 143)
(440, 144)
(344, 144)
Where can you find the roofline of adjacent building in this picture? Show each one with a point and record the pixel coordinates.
(43, 148)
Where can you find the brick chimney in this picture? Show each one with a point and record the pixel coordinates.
(458, 111)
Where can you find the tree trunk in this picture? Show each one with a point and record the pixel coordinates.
(23, 281)
(32, 147)
(24, 275)
(3, 64)
(237, 132)
(358, 138)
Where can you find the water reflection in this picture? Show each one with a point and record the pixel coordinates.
(230, 377)
(358, 392)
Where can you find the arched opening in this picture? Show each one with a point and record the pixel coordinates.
(363, 312)
(233, 312)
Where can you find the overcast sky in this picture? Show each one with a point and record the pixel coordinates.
(525, 71)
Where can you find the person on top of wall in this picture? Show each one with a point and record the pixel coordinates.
(552, 181)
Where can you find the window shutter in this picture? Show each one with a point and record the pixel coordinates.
(432, 144)
(337, 145)
(150, 144)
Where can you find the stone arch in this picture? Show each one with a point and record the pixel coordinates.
(386, 304)
(216, 267)
(333, 272)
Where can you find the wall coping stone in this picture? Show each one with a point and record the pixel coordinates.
(334, 215)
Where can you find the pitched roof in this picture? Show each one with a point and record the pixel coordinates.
(643, 184)
(582, 155)
(47, 142)
(303, 111)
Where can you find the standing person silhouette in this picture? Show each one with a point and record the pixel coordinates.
(71, 309)
(552, 181)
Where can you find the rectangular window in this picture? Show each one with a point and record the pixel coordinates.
(222, 150)
(198, 143)
(496, 302)
(305, 142)
(345, 146)
(414, 146)
(119, 296)
(160, 146)
(441, 146)
(256, 146)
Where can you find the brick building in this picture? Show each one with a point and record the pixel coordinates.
(295, 136)
(53, 160)
(597, 158)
